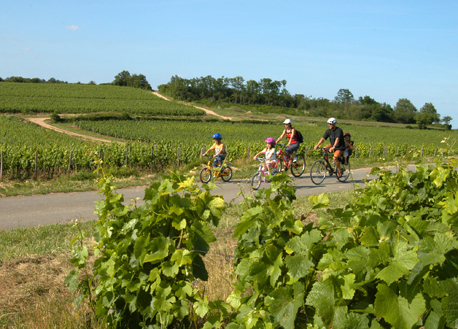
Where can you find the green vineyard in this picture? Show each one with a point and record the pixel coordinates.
(159, 144)
(78, 98)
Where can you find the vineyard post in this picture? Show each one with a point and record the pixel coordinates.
(155, 156)
(396, 151)
(1, 165)
(421, 153)
(70, 161)
(370, 152)
(36, 165)
(385, 151)
(248, 151)
(152, 153)
(435, 151)
(202, 151)
(356, 153)
(178, 156)
(127, 154)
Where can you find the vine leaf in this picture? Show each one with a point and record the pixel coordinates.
(286, 303)
(395, 309)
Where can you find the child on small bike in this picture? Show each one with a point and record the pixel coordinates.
(219, 148)
(270, 154)
(348, 147)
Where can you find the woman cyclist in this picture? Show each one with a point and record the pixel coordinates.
(291, 135)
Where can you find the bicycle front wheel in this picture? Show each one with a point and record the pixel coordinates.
(345, 172)
(318, 172)
(256, 181)
(298, 167)
(226, 175)
(205, 175)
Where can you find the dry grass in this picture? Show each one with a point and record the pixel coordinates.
(33, 294)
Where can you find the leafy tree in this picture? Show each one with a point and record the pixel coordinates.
(122, 78)
(427, 116)
(404, 111)
(344, 96)
(125, 79)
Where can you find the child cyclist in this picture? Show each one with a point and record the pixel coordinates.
(219, 148)
(270, 154)
(348, 146)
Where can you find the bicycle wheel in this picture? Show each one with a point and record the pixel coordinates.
(205, 175)
(226, 175)
(256, 181)
(318, 172)
(298, 167)
(345, 172)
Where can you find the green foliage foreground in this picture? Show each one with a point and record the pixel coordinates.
(389, 259)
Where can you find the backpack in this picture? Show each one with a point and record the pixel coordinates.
(299, 136)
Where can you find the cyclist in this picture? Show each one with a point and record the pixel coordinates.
(219, 148)
(293, 143)
(336, 138)
(348, 147)
(270, 154)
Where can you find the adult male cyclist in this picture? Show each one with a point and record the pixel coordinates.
(337, 146)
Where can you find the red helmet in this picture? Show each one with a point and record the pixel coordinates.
(347, 134)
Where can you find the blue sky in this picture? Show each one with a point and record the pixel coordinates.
(384, 49)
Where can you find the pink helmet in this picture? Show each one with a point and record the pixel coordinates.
(270, 140)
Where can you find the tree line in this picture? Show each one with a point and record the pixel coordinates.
(123, 79)
(269, 95)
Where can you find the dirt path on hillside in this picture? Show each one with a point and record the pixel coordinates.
(41, 122)
(208, 112)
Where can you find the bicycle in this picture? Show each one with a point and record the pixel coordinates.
(321, 168)
(297, 167)
(257, 177)
(224, 171)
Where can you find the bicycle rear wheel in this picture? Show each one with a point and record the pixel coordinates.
(226, 174)
(256, 181)
(318, 172)
(298, 167)
(205, 175)
(345, 172)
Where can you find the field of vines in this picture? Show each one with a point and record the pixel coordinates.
(79, 98)
(155, 144)
(396, 141)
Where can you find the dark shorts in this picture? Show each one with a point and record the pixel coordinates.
(337, 153)
(220, 158)
(292, 148)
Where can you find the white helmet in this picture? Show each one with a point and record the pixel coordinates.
(332, 121)
(287, 121)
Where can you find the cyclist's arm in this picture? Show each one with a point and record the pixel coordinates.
(319, 143)
(332, 149)
(281, 137)
(210, 149)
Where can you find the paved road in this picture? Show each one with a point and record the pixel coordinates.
(24, 211)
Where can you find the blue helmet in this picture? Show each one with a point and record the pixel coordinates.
(217, 136)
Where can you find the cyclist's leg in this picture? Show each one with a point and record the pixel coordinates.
(326, 151)
(293, 148)
(337, 154)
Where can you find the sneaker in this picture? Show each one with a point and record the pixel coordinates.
(295, 159)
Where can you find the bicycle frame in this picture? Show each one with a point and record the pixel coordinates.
(224, 171)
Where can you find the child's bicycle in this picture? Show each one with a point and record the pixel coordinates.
(225, 171)
(258, 176)
(322, 168)
(297, 168)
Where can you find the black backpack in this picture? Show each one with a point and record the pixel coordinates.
(299, 136)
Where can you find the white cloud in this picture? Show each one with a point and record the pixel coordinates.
(72, 27)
